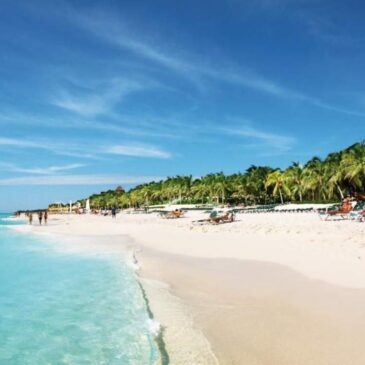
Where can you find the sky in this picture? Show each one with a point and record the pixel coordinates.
(95, 94)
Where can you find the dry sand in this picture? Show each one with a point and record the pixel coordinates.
(268, 289)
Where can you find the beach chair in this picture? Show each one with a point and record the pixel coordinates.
(358, 212)
(227, 217)
(216, 217)
(174, 214)
(342, 212)
(360, 217)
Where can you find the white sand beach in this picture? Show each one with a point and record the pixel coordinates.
(271, 288)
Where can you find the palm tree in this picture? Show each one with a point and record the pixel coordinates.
(146, 193)
(334, 175)
(209, 182)
(315, 180)
(294, 177)
(199, 190)
(276, 179)
(157, 194)
(239, 188)
(256, 178)
(183, 185)
(220, 187)
(353, 165)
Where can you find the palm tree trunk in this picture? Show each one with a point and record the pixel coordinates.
(281, 196)
(340, 191)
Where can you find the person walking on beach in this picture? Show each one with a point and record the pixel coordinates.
(114, 212)
(30, 217)
(40, 217)
(45, 216)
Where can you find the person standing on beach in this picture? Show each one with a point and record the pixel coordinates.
(45, 216)
(40, 216)
(114, 212)
(30, 217)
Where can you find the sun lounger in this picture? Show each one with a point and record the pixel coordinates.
(342, 212)
(361, 217)
(358, 216)
(358, 212)
(224, 218)
(217, 218)
(174, 214)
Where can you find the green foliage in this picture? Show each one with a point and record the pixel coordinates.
(318, 180)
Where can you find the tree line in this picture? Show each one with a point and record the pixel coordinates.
(319, 180)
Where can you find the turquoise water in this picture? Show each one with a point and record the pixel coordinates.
(59, 308)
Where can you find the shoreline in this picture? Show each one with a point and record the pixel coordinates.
(158, 335)
(192, 337)
(159, 338)
(151, 290)
(235, 297)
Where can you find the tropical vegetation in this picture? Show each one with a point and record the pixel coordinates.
(319, 180)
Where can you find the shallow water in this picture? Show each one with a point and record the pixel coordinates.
(62, 308)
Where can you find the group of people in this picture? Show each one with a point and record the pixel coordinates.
(42, 216)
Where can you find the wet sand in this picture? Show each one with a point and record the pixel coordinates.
(262, 313)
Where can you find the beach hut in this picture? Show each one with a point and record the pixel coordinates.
(119, 190)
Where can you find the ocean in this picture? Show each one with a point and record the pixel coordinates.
(66, 308)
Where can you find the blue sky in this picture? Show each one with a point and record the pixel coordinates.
(94, 94)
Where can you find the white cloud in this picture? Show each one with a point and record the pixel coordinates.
(60, 148)
(77, 180)
(100, 100)
(131, 125)
(116, 33)
(138, 151)
(4, 141)
(279, 142)
(40, 170)
(83, 150)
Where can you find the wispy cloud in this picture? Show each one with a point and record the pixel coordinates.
(40, 170)
(59, 148)
(4, 141)
(113, 31)
(129, 125)
(93, 149)
(116, 33)
(281, 143)
(77, 180)
(138, 151)
(326, 29)
(100, 100)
